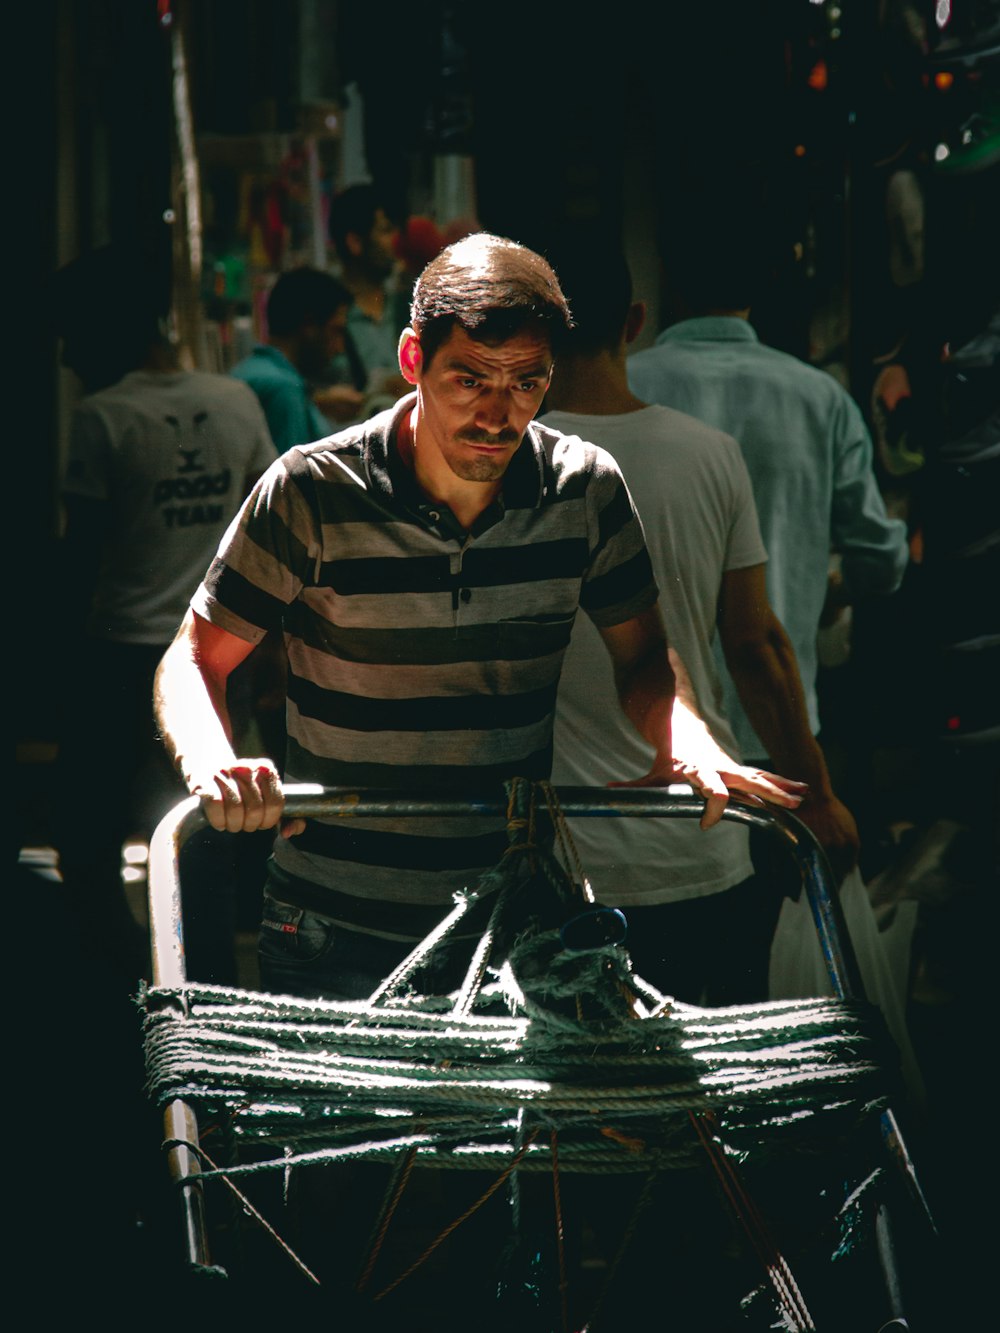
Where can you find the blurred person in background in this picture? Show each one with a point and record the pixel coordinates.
(160, 459)
(306, 322)
(700, 923)
(364, 238)
(802, 436)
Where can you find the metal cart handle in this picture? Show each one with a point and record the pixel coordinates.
(166, 927)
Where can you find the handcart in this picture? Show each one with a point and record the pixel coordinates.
(727, 1057)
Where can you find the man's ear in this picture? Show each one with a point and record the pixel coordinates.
(635, 321)
(355, 244)
(411, 356)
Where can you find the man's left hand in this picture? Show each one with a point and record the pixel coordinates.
(714, 777)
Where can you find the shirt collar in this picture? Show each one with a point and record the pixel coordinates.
(710, 328)
(270, 353)
(523, 482)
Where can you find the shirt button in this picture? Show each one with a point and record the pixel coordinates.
(466, 594)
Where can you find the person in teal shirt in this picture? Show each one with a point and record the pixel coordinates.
(306, 318)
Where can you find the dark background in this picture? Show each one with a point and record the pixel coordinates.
(570, 113)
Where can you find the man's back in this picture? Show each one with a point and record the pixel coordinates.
(170, 454)
(697, 511)
(810, 460)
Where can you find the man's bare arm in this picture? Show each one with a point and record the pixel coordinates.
(657, 696)
(238, 794)
(645, 682)
(762, 663)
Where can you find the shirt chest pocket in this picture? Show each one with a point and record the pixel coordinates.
(521, 637)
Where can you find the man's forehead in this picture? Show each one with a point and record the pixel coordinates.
(530, 349)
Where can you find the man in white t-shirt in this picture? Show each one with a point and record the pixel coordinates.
(160, 460)
(700, 925)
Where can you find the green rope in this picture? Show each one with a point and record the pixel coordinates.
(366, 1080)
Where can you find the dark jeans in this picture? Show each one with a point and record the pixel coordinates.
(713, 950)
(304, 953)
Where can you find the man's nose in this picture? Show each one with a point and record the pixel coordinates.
(493, 411)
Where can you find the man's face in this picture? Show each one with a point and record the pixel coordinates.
(475, 401)
(380, 246)
(333, 332)
(318, 343)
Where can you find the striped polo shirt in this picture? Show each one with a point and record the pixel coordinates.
(421, 656)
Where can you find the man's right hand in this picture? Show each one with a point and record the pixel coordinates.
(244, 797)
(340, 402)
(835, 830)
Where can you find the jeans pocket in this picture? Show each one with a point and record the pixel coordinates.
(290, 934)
(301, 953)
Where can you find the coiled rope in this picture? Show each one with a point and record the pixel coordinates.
(327, 1079)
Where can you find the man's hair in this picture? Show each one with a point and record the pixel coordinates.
(352, 211)
(714, 256)
(107, 305)
(112, 287)
(303, 296)
(594, 275)
(493, 289)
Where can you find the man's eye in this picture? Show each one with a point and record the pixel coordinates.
(467, 383)
(528, 386)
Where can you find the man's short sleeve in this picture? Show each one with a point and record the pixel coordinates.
(619, 582)
(270, 550)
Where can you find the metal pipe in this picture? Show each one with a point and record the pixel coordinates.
(180, 1124)
(618, 802)
(181, 1128)
(577, 802)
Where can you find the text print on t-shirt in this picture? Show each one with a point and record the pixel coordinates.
(187, 495)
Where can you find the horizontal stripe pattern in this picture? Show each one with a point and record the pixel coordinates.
(471, 712)
(401, 851)
(417, 660)
(381, 680)
(408, 642)
(370, 770)
(418, 754)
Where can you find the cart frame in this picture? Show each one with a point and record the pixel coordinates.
(168, 959)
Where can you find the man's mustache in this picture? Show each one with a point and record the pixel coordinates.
(471, 436)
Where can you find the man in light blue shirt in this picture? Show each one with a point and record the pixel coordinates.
(804, 440)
